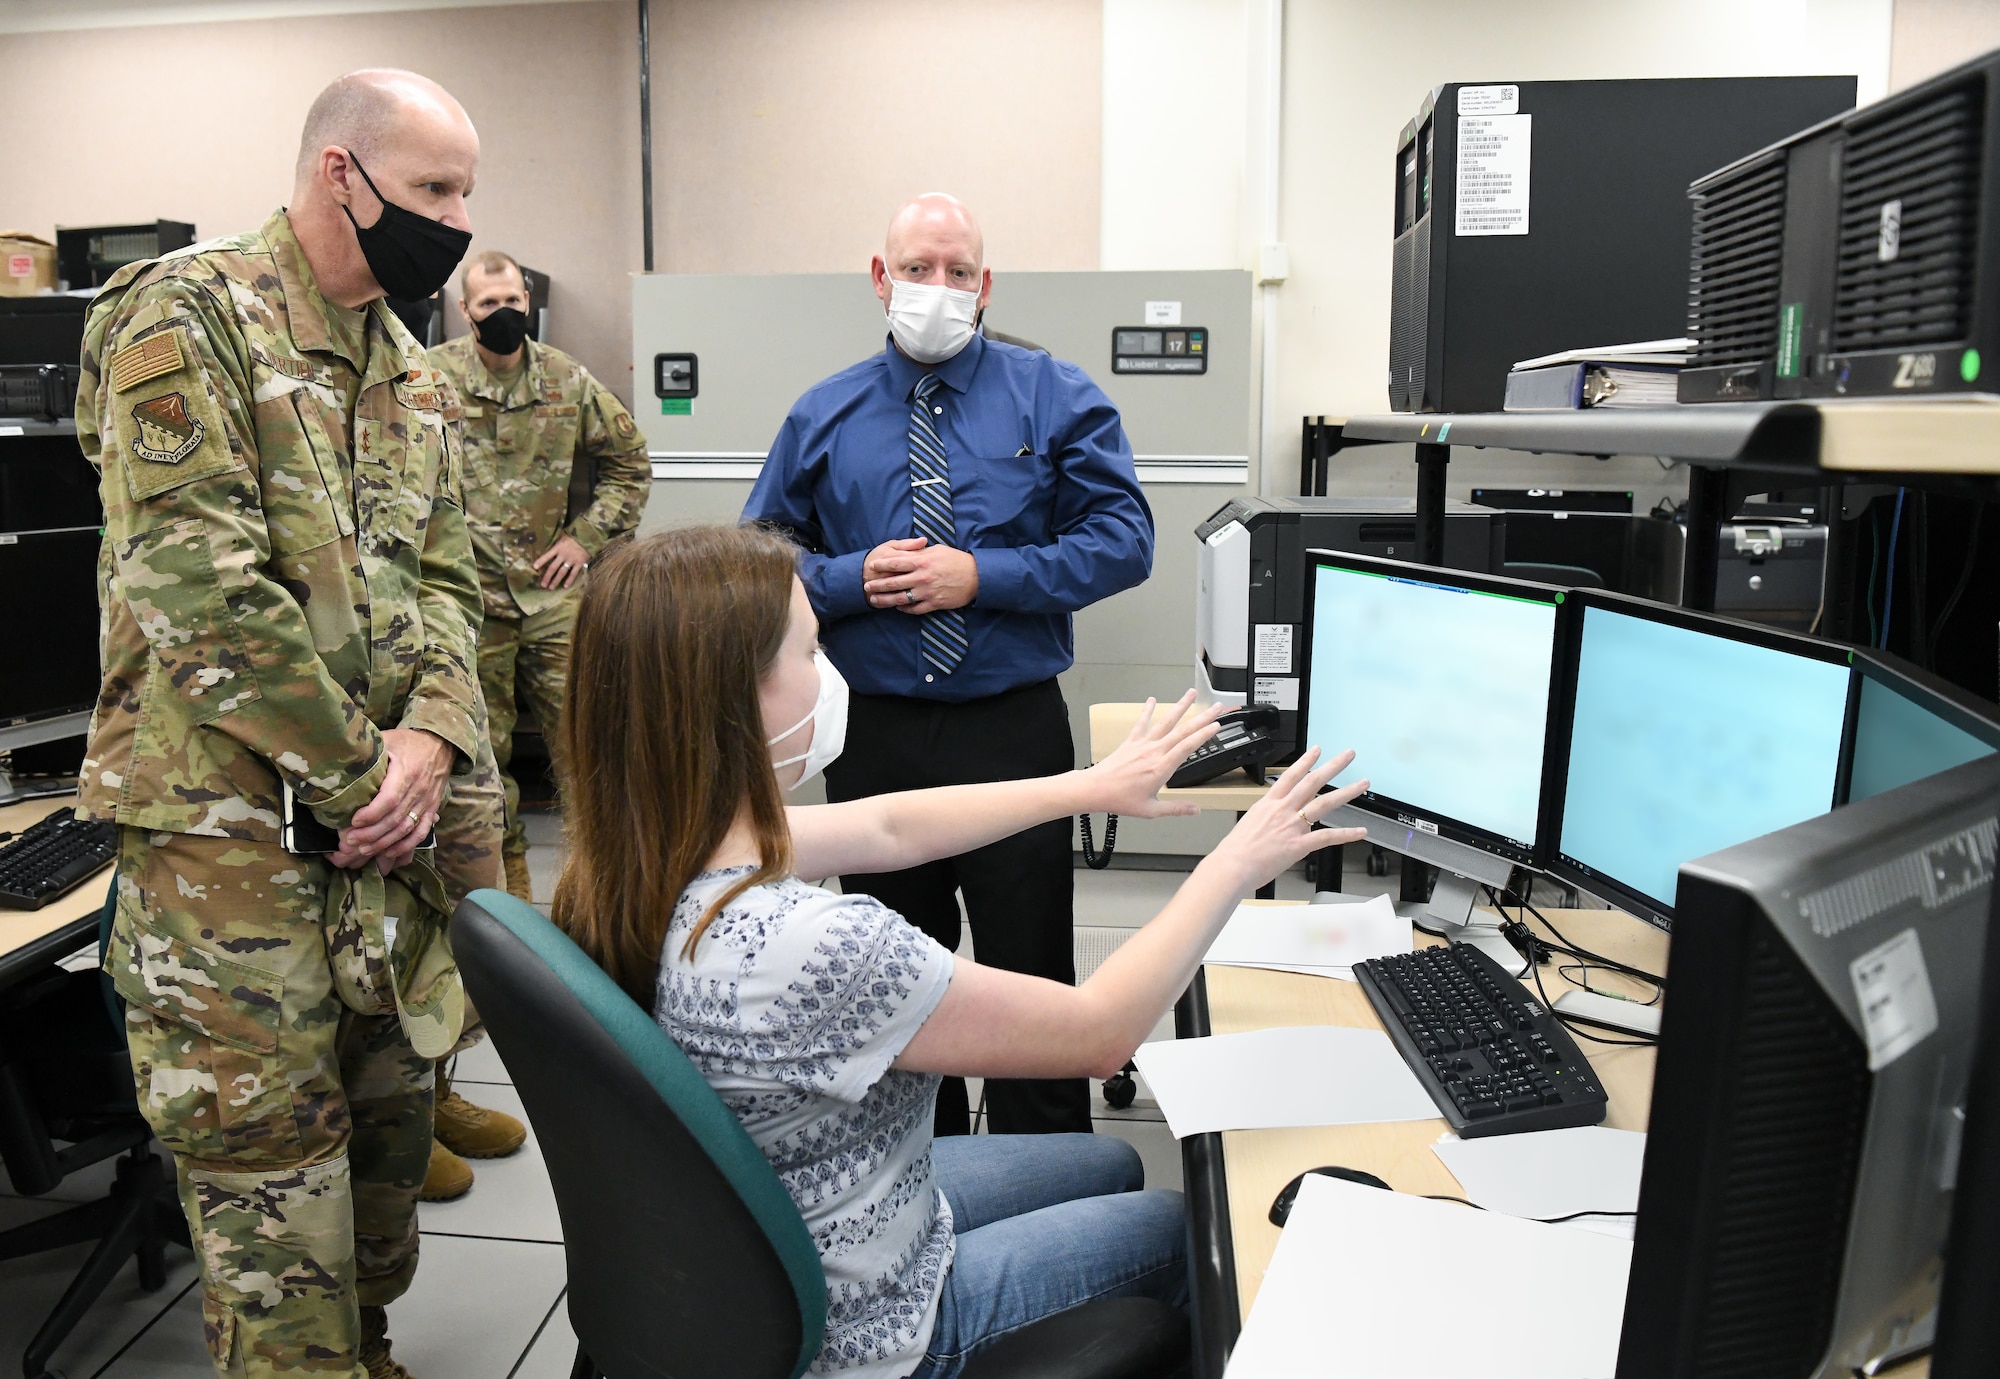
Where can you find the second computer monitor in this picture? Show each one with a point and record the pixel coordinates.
(1439, 681)
(1909, 724)
(1689, 734)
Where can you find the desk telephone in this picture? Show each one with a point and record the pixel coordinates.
(1245, 739)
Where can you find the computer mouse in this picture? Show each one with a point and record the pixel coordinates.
(1281, 1209)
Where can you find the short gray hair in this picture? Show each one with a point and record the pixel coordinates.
(358, 112)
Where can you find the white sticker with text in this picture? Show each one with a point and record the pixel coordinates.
(1893, 989)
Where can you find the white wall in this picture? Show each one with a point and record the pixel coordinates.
(1177, 168)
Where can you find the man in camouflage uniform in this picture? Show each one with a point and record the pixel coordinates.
(555, 469)
(290, 604)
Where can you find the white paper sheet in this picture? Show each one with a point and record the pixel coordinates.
(1325, 939)
(1341, 1301)
(1307, 1075)
(1552, 1173)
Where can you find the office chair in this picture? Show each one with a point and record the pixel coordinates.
(686, 1255)
(65, 1076)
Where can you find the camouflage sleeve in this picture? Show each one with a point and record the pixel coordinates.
(445, 699)
(624, 473)
(170, 427)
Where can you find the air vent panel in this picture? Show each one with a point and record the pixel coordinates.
(1908, 214)
(1739, 225)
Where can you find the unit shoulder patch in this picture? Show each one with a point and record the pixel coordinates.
(624, 426)
(153, 357)
(164, 432)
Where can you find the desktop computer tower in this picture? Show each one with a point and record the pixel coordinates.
(1540, 216)
(1809, 1107)
(1857, 257)
(1251, 595)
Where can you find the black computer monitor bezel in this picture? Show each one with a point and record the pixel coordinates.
(1402, 812)
(1966, 712)
(1581, 875)
(27, 545)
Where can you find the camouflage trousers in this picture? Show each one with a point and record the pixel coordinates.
(524, 663)
(300, 1129)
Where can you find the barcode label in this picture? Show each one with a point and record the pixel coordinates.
(1493, 164)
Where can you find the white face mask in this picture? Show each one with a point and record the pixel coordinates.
(829, 720)
(931, 322)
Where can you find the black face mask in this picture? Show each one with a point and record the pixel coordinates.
(410, 255)
(502, 330)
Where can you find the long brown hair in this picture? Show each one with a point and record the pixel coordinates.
(663, 736)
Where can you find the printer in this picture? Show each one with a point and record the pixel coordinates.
(1250, 635)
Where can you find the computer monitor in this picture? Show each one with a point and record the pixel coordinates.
(48, 622)
(1968, 1327)
(1909, 724)
(1805, 1131)
(1686, 733)
(1439, 681)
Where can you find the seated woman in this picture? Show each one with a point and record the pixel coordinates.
(697, 694)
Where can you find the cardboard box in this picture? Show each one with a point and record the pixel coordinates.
(27, 264)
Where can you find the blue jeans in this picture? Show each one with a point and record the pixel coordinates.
(1046, 1223)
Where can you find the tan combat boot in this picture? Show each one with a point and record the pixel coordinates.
(518, 883)
(473, 1131)
(448, 1177)
(375, 1357)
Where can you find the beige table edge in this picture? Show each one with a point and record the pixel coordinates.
(19, 928)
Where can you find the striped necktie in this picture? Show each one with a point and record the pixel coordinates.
(930, 500)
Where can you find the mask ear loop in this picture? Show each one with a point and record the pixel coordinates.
(348, 211)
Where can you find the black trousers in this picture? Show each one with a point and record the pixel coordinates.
(1018, 891)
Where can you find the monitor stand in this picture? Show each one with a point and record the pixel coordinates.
(33, 787)
(1448, 913)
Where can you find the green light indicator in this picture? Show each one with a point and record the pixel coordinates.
(1968, 366)
(1559, 598)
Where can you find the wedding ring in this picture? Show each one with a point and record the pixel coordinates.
(1303, 819)
(412, 816)
(909, 596)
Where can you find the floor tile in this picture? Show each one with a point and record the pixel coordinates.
(554, 1351)
(511, 1198)
(475, 1306)
(1158, 1149)
(30, 1287)
(481, 1063)
(470, 1315)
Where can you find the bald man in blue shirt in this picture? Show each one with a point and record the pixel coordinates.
(958, 498)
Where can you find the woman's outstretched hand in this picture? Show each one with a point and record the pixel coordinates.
(1127, 781)
(1278, 831)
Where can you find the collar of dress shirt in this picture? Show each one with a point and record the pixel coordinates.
(956, 371)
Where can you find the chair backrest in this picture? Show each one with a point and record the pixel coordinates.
(686, 1255)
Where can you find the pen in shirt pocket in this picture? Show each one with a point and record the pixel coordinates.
(1025, 449)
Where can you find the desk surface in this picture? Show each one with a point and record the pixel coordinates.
(1257, 1163)
(59, 927)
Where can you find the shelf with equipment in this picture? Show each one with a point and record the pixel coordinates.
(1733, 450)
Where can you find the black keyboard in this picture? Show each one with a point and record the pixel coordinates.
(52, 856)
(1492, 1056)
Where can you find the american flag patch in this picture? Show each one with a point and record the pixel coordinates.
(151, 357)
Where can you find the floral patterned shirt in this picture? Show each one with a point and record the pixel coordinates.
(793, 1006)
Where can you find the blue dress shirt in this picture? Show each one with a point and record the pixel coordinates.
(1044, 498)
